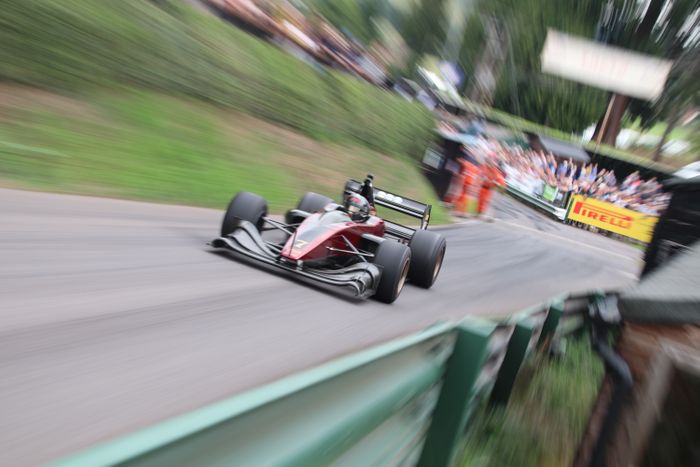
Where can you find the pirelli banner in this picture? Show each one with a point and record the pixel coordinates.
(609, 217)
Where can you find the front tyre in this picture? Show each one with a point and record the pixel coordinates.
(395, 260)
(427, 254)
(244, 206)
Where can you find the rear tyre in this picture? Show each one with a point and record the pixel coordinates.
(427, 253)
(245, 206)
(395, 260)
(313, 202)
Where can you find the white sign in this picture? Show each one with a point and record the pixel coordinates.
(603, 66)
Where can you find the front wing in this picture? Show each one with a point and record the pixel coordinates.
(360, 280)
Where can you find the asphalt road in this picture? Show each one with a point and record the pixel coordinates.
(115, 315)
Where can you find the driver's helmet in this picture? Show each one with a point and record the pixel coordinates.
(357, 206)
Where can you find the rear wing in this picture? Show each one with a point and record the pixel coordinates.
(397, 203)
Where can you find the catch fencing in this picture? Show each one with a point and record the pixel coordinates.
(405, 402)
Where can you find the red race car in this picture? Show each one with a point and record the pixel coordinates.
(341, 245)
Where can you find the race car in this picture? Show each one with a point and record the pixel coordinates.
(346, 246)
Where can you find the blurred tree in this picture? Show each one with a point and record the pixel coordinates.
(490, 65)
(423, 28)
(658, 27)
(473, 37)
(662, 29)
(522, 89)
(665, 28)
(681, 94)
(351, 15)
(695, 140)
(680, 40)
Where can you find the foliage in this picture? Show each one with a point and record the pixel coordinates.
(694, 133)
(522, 89)
(423, 27)
(545, 418)
(350, 15)
(472, 42)
(80, 45)
(141, 145)
(665, 30)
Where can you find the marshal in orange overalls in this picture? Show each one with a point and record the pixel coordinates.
(471, 174)
(491, 176)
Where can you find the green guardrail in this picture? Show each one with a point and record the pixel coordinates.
(405, 402)
(559, 213)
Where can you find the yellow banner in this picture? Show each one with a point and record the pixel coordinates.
(607, 216)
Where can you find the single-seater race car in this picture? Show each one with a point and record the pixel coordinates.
(343, 245)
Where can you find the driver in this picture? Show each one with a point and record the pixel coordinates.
(357, 207)
(368, 192)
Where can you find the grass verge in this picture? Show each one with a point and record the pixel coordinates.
(165, 46)
(545, 417)
(147, 146)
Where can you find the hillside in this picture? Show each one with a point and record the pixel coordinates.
(162, 101)
(142, 145)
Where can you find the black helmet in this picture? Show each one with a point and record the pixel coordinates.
(357, 206)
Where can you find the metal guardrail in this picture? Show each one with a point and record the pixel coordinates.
(573, 316)
(406, 402)
(556, 211)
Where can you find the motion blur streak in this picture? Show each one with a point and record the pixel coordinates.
(108, 306)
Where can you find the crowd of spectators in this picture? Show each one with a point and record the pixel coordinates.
(553, 178)
(536, 171)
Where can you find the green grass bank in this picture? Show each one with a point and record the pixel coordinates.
(143, 145)
(166, 46)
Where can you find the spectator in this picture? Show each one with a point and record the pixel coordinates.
(533, 171)
(593, 174)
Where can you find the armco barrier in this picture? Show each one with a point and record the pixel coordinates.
(513, 360)
(406, 402)
(458, 391)
(559, 213)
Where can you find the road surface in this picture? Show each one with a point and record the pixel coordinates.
(115, 315)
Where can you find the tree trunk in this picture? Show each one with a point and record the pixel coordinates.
(608, 127)
(490, 65)
(598, 127)
(619, 107)
(670, 125)
(611, 128)
(650, 17)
